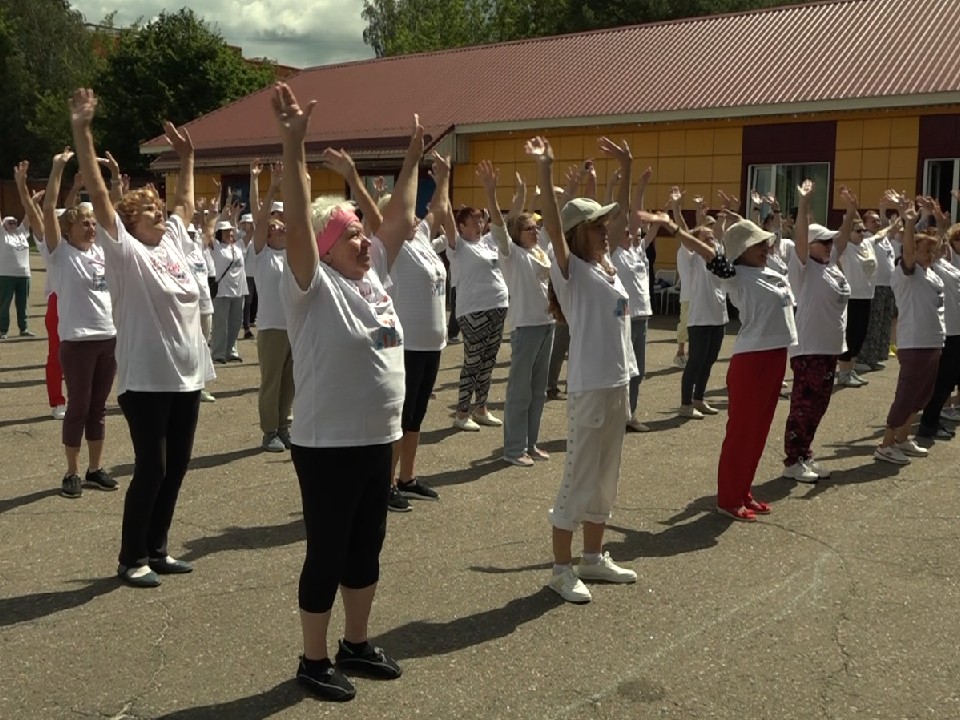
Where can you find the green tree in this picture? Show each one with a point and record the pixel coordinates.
(175, 68)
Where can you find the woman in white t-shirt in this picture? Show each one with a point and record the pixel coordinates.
(883, 307)
(921, 332)
(859, 265)
(526, 268)
(228, 259)
(348, 366)
(482, 301)
(88, 338)
(822, 293)
(14, 275)
(948, 369)
(594, 303)
(195, 248)
(161, 356)
(758, 364)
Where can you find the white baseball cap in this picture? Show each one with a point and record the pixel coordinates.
(581, 210)
(224, 225)
(819, 233)
(246, 217)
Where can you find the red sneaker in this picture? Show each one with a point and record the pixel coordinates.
(760, 508)
(741, 513)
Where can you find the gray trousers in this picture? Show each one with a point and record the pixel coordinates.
(561, 344)
(638, 338)
(227, 318)
(526, 387)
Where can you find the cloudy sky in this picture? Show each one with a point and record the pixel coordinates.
(301, 33)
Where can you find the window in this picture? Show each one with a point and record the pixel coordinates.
(781, 181)
(940, 178)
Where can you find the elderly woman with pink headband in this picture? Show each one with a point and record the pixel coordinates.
(347, 345)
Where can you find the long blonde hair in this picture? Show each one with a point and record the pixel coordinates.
(576, 240)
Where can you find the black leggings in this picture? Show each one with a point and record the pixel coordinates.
(704, 343)
(858, 319)
(421, 368)
(344, 492)
(162, 426)
(948, 375)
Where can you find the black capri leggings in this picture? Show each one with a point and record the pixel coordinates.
(344, 492)
(421, 368)
(858, 318)
(704, 343)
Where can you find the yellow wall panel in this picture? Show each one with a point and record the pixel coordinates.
(699, 142)
(904, 183)
(905, 131)
(463, 175)
(672, 143)
(727, 170)
(503, 151)
(670, 171)
(849, 135)
(481, 150)
(870, 193)
(903, 162)
(848, 164)
(728, 141)
(875, 164)
(852, 185)
(571, 149)
(697, 169)
(876, 133)
(645, 144)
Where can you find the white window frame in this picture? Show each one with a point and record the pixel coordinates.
(954, 205)
(783, 197)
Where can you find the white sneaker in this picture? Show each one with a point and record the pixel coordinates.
(910, 447)
(849, 379)
(570, 587)
(799, 472)
(689, 411)
(488, 419)
(706, 408)
(891, 455)
(59, 412)
(636, 426)
(206, 397)
(816, 467)
(680, 361)
(466, 424)
(857, 376)
(605, 571)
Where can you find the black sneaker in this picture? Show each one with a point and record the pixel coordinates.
(367, 660)
(416, 490)
(284, 435)
(71, 487)
(100, 480)
(323, 679)
(397, 502)
(941, 433)
(248, 335)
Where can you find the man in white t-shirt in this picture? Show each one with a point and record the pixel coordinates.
(14, 275)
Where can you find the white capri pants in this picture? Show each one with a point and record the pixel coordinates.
(596, 421)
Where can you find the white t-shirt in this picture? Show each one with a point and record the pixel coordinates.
(822, 296)
(419, 292)
(886, 261)
(708, 299)
(156, 311)
(347, 345)
(597, 309)
(766, 309)
(84, 310)
(919, 296)
(211, 266)
(683, 273)
(859, 269)
(950, 275)
(14, 253)
(269, 265)
(230, 271)
(41, 246)
(480, 283)
(527, 273)
(634, 273)
(194, 252)
(249, 254)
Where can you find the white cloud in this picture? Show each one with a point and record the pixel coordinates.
(291, 32)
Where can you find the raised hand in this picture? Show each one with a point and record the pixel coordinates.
(488, 175)
(61, 159)
(660, 218)
(539, 149)
(848, 198)
(179, 139)
(698, 201)
(908, 210)
(256, 167)
(772, 201)
(805, 189)
(416, 136)
(676, 195)
(621, 152)
(83, 106)
(20, 171)
(291, 118)
(111, 163)
(756, 198)
(379, 184)
(574, 173)
(646, 175)
(276, 174)
(37, 196)
(339, 161)
(440, 169)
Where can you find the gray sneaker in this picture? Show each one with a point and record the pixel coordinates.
(272, 443)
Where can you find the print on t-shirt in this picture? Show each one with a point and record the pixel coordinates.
(623, 308)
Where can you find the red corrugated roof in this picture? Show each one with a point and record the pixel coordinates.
(840, 51)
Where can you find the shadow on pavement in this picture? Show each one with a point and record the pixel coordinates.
(22, 368)
(12, 384)
(25, 421)
(426, 639)
(9, 504)
(197, 463)
(255, 707)
(258, 537)
(38, 605)
(476, 470)
(678, 539)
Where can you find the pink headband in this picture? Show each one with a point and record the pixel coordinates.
(340, 220)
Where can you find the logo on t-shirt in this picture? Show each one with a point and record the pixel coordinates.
(623, 308)
(385, 338)
(99, 283)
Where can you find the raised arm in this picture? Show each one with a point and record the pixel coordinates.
(539, 149)
(51, 223)
(256, 168)
(440, 202)
(908, 213)
(73, 194)
(843, 236)
(489, 175)
(116, 177)
(612, 184)
(399, 214)
(184, 202)
(590, 173)
(83, 106)
(801, 230)
(572, 188)
(756, 205)
(302, 253)
(519, 197)
(617, 227)
(342, 164)
(32, 218)
(675, 204)
(636, 202)
(261, 220)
